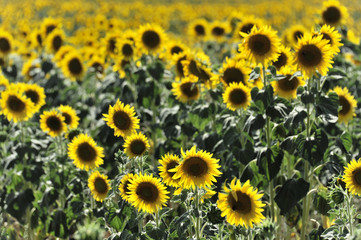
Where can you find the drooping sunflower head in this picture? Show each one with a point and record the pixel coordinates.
(186, 89)
(168, 162)
(219, 30)
(261, 45)
(333, 13)
(85, 153)
(198, 28)
(332, 36)
(234, 72)
(152, 38)
(352, 177)
(73, 66)
(122, 119)
(6, 42)
(237, 96)
(36, 94)
(284, 59)
(295, 33)
(287, 86)
(197, 169)
(124, 186)
(55, 40)
(136, 145)
(147, 193)
(241, 204)
(348, 104)
(15, 106)
(70, 117)
(313, 54)
(99, 186)
(53, 123)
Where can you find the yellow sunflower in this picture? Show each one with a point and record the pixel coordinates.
(284, 59)
(175, 47)
(69, 114)
(201, 71)
(219, 30)
(53, 123)
(120, 65)
(261, 45)
(147, 193)
(168, 162)
(237, 96)
(136, 145)
(151, 38)
(313, 54)
(241, 204)
(245, 26)
(6, 42)
(347, 103)
(85, 153)
(4, 83)
(333, 13)
(55, 40)
(36, 94)
(197, 169)
(110, 43)
(186, 89)
(287, 86)
(295, 33)
(124, 186)
(16, 106)
(48, 25)
(122, 119)
(29, 68)
(198, 28)
(352, 177)
(233, 71)
(126, 49)
(332, 35)
(97, 64)
(99, 186)
(73, 66)
(62, 52)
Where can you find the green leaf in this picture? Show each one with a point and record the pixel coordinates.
(269, 162)
(295, 117)
(59, 225)
(346, 140)
(327, 107)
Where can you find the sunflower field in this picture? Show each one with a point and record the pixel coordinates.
(177, 120)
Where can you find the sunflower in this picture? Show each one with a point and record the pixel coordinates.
(151, 38)
(198, 28)
(122, 119)
(287, 86)
(246, 25)
(120, 65)
(55, 40)
(99, 186)
(347, 103)
(352, 37)
(4, 83)
(332, 36)
(126, 49)
(147, 193)
(85, 153)
(6, 42)
(333, 13)
(177, 60)
(352, 177)
(48, 25)
(53, 123)
(241, 204)
(110, 43)
(69, 114)
(36, 94)
(260, 45)
(175, 47)
(233, 71)
(219, 30)
(16, 106)
(197, 168)
(29, 69)
(62, 52)
(284, 59)
(73, 66)
(202, 71)
(295, 33)
(168, 162)
(136, 145)
(124, 186)
(313, 53)
(37, 39)
(237, 96)
(186, 89)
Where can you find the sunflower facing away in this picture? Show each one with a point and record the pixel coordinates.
(352, 177)
(151, 38)
(71, 119)
(313, 53)
(168, 162)
(136, 145)
(186, 89)
(237, 96)
(53, 123)
(261, 45)
(333, 13)
(15, 106)
(147, 193)
(85, 153)
(287, 86)
(99, 186)
(234, 71)
(347, 103)
(124, 186)
(122, 119)
(241, 204)
(197, 169)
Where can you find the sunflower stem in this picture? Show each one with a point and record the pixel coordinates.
(198, 218)
(349, 211)
(157, 219)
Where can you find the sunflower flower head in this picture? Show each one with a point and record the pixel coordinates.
(237, 96)
(124, 186)
(287, 86)
(71, 119)
(352, 177)
(136, 145)
(348, 104)
(333, 13)
(168, 162)
(99, 186)
(53, 123)
(186, 89)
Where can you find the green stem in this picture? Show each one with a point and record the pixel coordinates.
(349, 211)
(198, 218)
(157, 219)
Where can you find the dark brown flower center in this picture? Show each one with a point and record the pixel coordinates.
(170, 166)
(75, 66)
(218, 31)
(33, 95)
(175, 50)
(195, 166)
(127, 50)
(345, 105)
(125, 187)
(67, 117)
(49, 29)
(332, 15)
(151, 39)
(4, 45)
(124, 63)
(15, 104)
(288, 84)
(147, 192)
(137, 147)
(39, 39)
(327, 37)
(203, 75)
(309, 55)
(246, 28)
(237, 96)
(98, 67)
(243, 204)
(233, 74)
(121, 120)
(179, 66)
(259, 44)
(357, 176)
(111, 45)
(297, 35)
(281, 61)
(100, 185)
(189, 89)
(57, 42)
(200, 30)
(86, 152)
(54, 123)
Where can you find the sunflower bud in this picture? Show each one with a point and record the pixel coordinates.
(338, 197)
